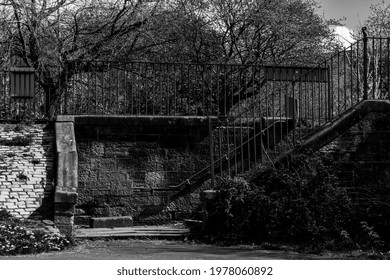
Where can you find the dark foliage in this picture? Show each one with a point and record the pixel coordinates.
(16, 238)
(299, 204)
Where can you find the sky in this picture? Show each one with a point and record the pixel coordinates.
(356, 11)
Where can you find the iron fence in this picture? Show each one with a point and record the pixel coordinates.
(291, 103)
(261, 109)
(144, 88)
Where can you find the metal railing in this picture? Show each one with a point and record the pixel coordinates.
(293, 103)
(145, 88)
(262, 109)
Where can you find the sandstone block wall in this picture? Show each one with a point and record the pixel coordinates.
(27, 170)
(131, 170)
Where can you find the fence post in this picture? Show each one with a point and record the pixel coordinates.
(365, 63)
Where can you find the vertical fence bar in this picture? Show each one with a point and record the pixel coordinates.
(118, 71)
(240, 116)
(330, 99)
(388, 65)
(167, 89)
(154, 94)
(233, 120)
(358, 70)
(248, 136)
(338, 83)
(351, 75)
(365, 64)
(270, 88)
(139, 89)
(254, 117)
(102, 66)
(345, 80)
(88, 68)
(204, 90)
(96, 86)
(380, 68)
(374, 77)
(73, 91)
(211, 146)
(147, 88)
(293, 115)
(175, 89)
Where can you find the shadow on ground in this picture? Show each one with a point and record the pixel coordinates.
(132, 249)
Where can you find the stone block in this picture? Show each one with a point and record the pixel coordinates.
(65, 209)
(65, 229)
(110, 222)
(65, 118)
(65, 197)
(96, 148)
(82, 220)
(155, 179)
(63, 220)
(116, 150)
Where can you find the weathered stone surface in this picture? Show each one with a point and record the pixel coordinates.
(82, 220)
(65, 209)
(67, 176)
(65, 118)
(67, 157)
(127, 166)
(110, 222)
(65, 197)
(65, 229)
(63, 221)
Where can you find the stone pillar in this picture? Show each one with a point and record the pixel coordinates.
(65, 197)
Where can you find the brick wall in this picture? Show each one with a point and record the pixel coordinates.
(131, 169)
(27, 170)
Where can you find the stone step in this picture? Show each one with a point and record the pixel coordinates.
(136, 231)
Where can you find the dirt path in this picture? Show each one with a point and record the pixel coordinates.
(133, 249)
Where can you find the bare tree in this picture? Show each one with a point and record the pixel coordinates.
(52, 36)
(56, 36)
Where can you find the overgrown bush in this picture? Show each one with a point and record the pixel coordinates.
(299, 203)
(15, 238)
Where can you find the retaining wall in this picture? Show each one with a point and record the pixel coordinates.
(129, 166)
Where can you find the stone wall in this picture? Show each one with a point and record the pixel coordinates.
(27, 170)
(132, 168)
(364, 154)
